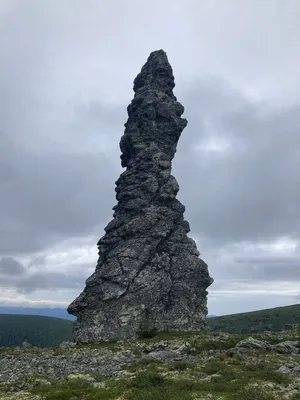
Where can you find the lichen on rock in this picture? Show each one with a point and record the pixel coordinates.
(149, 272)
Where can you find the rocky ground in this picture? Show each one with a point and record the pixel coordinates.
(167, 366)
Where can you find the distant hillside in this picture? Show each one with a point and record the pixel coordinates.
(272, 319)
(46, 312)
(37, 330)
(50, 332)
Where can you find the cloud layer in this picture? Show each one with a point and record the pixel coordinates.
(66, 80)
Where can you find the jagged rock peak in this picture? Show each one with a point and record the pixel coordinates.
(154, 115)
(157, 73)
(149, 274)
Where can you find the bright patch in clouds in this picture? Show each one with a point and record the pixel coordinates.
(283, 245)
(66, 254)
(21, 301)
(213, 145)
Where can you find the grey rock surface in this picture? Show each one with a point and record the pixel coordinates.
(67, 345)
(290, 369)
(149, 274)
(253, 344)
(110, 362)
(287, 347)
(26, 345)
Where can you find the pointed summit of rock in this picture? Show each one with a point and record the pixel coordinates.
(154, 113)
(149, 275)
(156, 73)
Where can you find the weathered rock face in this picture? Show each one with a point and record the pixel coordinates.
(149, 274)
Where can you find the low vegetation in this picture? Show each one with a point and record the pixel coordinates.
(157, 366)
(212, 373)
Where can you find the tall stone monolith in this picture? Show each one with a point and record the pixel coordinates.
(149, 274)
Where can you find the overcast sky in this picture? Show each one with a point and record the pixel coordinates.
(66, 77)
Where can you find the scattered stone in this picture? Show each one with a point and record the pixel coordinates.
(26, 345)
(163, 355)
(184, 348)
(19, 369)
(287, 347)
(284, 369)
(211, 358)
(149, 276)
(290, 369)
(67, 345)
(220, 335)
(84, 377)
(253, 344)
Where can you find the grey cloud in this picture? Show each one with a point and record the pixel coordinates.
(63, 100)
(49, 281)
(39, 260)
(59, 137)
(11, 267)
(15, 276)
(237, 266)
(272, 269)
(54, 196)
(250, 191)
